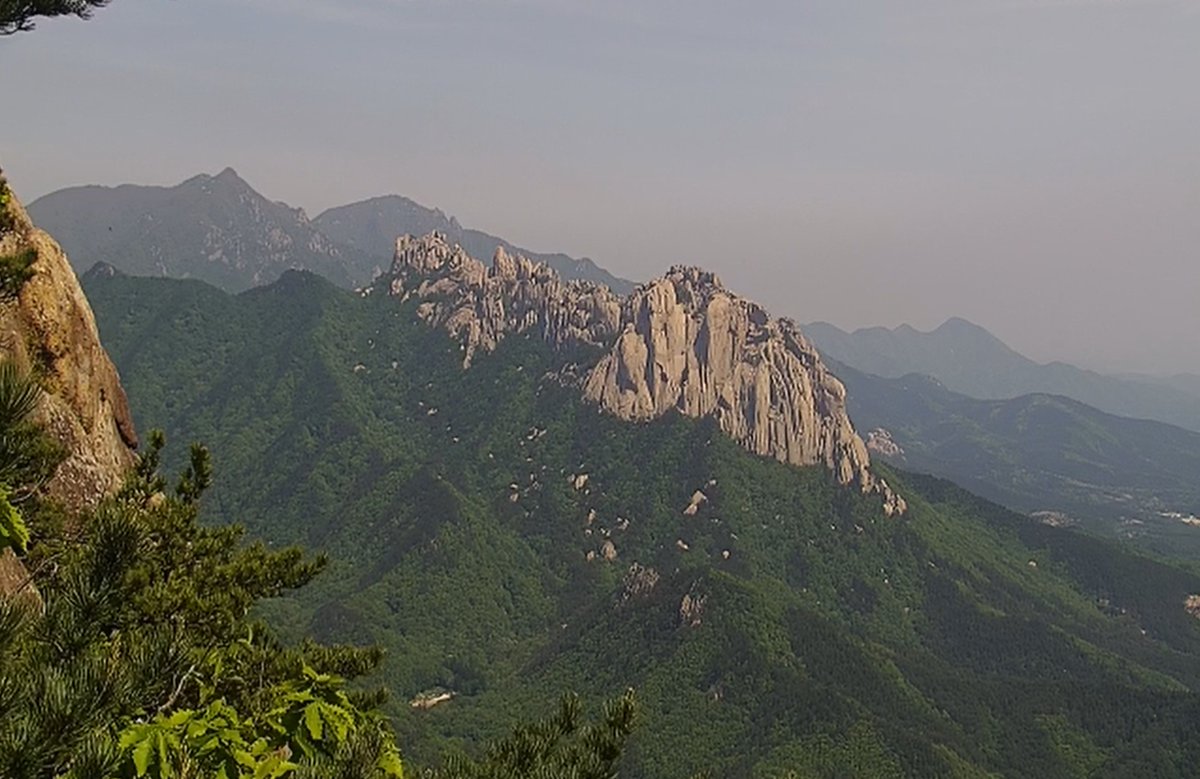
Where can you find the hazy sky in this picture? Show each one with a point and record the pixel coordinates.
(1031, 165)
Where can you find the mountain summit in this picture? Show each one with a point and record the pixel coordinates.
(214, 228)
(681, 343)
(219, 229)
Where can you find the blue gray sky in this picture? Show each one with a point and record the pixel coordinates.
(1031, 165)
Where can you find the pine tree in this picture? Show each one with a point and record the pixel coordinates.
(18, 15)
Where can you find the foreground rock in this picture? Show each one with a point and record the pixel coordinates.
(47, 328)
(680, 343)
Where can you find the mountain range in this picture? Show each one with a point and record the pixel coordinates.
(219, 229)
(968, 359)
(527, 485)
(1047, 455)
(371, 226)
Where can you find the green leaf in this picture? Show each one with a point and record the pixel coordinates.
(141, 755)
(12, 526)
(164, 759)
(389, 763)
(312, 721)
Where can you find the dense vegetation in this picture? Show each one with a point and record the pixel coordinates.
(786, 626)
(1117, 476)
(127, 652)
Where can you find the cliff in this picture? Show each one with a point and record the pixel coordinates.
(679, 343)
(47, 328)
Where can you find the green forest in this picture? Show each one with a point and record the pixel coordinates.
(502, 543)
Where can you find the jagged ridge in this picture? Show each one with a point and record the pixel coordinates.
(682, 342)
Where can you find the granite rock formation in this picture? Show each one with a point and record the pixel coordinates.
(480, 305)
(680, 343)
(48, 329)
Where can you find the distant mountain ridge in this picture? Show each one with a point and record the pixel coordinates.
(372, 226)
(219, 229)
(968, 359)
(214, 228)
(1039, 453)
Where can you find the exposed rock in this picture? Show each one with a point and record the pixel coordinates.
(689, 345)
(1054, 518)
(480, 305)
(691, 608)
(430, 698)
(608, 550)
(681, 343)
(49, 329)
(15, 583)
(880, 442)
(1192, 605)
(698, 499)
(639, 581)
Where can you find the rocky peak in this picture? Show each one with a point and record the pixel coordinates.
(479, 305)
(681, 343)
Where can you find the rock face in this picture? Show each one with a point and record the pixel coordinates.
(880, 441)
(49, 329)
(680, 343)
(480, 305)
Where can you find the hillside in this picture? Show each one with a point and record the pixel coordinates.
(220, 230)
(505, 539)
(1041, 453)
(371, 226)
(214, 228)
(968, 359)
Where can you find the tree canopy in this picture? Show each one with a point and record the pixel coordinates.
(18, 15)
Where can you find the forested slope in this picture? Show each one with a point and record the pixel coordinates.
(505, 541)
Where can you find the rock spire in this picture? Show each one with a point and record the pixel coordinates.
(681, 343)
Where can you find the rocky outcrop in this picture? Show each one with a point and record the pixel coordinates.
(48, 329)
(880, 442)
(681, 343)
(480, 305)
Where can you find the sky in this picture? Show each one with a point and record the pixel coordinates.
(1030, 165)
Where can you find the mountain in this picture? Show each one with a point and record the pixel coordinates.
(511, 509)
(214, 228)
(1043, 454)
(1183, 382)
(220, 230)
(682, 343)
(371, 226)
(968, 359)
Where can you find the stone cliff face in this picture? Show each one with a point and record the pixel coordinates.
(480, 305)
(680, 343)
(49, 329)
